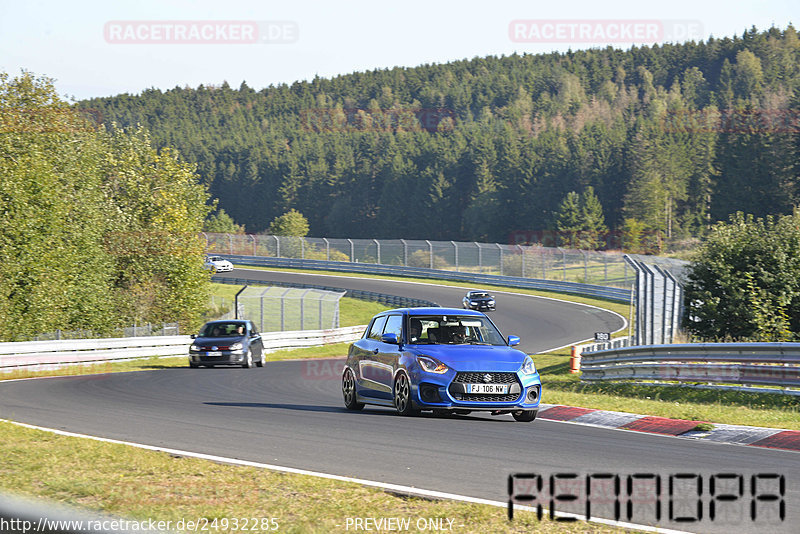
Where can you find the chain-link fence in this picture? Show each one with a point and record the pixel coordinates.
(527, 261)
(280, 308)
(142, 330)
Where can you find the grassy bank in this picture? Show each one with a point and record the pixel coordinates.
(138, 484)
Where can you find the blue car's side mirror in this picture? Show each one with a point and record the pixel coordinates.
(390, 338)
(513, 340)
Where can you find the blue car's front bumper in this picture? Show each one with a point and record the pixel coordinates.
(447, 391)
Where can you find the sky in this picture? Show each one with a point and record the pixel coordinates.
(95, 49)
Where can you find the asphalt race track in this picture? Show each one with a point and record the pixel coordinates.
(290, 414)
(542, 324)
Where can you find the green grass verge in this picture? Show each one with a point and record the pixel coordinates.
(141, 485)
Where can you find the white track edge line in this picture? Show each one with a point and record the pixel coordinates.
(380, 485)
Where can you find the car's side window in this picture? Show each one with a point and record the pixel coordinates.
(394, 325)
(377, 328)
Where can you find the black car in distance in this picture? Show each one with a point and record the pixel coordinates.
(478, 299)
(227, 342)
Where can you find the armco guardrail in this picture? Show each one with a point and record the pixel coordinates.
(391, 300)
(747, 364)
(70, 351)
(29, 354)
(609, 293)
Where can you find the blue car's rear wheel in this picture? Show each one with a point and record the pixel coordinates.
(349, 390)
(402, 395)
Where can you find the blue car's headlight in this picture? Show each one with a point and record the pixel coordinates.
(431, 366)
(528, 367)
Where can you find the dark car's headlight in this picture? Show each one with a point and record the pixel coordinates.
(528, 367)
(491, 303)
(431, 366)
(194, 348)
(236, 346)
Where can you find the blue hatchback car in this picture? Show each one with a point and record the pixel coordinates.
(440, 359)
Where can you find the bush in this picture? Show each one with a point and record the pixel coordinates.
(745, 282)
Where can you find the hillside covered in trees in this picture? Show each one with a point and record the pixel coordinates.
(668, 138)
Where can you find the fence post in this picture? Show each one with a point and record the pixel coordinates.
(327, 249)
(585, 266)
(283, 309)
(480, 258)
(405, 252)
(378, 255)
(500, 248)
(302, 309)
(430, 250)
(522, 254)
(251, 236)
(277, 247)
(302, 248)
(236, 302)
(455, 253)
(352, 251)
(544, 267)
(320, 310)
(230, 243)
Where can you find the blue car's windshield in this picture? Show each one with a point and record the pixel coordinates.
(452, 330)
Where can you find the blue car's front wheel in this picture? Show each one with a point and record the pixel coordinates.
(402, 395)
(524, 416)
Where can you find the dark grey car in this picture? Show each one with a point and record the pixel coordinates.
(231, 342)
(479, 300)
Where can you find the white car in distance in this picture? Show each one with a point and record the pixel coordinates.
(218, 264)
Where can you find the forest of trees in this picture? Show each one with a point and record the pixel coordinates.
(662, 139)
(98, 229)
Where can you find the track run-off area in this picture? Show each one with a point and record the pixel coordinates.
(290, 414)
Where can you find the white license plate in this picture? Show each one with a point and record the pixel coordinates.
(214, 353)
(487, 389)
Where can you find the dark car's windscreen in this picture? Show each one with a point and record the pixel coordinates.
(223, 330)
(453, 329)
